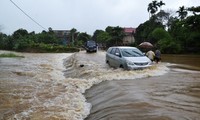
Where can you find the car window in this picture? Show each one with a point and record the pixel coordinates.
(132, 53)
(113, 51)
(109, 50)
(91, 43)
(117, 51)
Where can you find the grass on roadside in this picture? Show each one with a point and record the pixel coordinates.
(10, 55)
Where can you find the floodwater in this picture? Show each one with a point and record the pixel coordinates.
(171, 96)
(35, 88)
(183, 61)
(53, 87)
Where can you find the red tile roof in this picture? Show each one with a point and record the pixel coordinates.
(129, 30)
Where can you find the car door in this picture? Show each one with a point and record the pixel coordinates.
(112, 57)
(117, 58)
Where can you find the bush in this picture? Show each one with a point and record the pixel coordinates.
(9, 55)
(50, 48)
(169, 46)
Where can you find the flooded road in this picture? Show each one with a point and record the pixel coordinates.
(34, 88)
(183, 61)
(173, 96)
(52, 87)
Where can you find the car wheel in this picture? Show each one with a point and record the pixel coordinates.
(121, 66)
(108, 62)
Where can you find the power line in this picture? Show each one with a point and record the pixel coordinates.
(27, 15)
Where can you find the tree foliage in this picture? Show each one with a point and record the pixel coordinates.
(19, 33)
(165, 42)
(153, 6)
(182, 12)
(110, 37)
(21, 40)
(83, 37)
(172, 34)
(143, 31)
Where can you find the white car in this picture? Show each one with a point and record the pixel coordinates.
(127, 58)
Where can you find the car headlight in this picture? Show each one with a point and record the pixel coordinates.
(129, 63)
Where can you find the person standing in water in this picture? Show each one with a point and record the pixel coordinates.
(150, 54)
(157, 56)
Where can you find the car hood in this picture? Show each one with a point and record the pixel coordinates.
(138, 59)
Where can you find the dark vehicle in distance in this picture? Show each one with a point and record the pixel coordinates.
(91, 46)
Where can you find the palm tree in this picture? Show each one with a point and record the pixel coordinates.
(194, 10)
(153, 7)
(182, 12)
(161, 3)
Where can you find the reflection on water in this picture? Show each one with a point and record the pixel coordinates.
(40, 87)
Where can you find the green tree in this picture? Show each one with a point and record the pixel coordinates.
(160, 33)
(169, 46)
(19, 33)
(50, 30)
(194, 10)
(182, 12)
(163, 17)
(73, 35)
(109, 29)
(6, 42)
(187, 31)
(144, 30)
(165, 42)
(3, 39)
(103, 38)
(160, 4)
(46, 38)
(194, 20)
(84, 37)
(96, 33)
(153, 7)
(117, 34)
(23, 43)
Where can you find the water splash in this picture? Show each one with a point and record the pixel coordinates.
(40, 87)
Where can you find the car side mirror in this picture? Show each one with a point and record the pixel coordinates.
(117, 54)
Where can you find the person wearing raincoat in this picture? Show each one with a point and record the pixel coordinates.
(150, 54)
(157, 56)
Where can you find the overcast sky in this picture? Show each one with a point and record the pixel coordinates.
(84, 15)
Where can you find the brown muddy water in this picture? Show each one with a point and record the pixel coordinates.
(53, 87)
(183, 61)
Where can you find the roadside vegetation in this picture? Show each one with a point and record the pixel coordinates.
(10, 55)
(171, 31)
(23, 41)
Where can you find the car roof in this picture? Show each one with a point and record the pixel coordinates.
(122, 47)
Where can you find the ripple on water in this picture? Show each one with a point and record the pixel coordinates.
(39, 87)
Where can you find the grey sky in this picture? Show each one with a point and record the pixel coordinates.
(84, 15)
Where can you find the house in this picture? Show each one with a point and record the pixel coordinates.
(63, 35)
(129, 38)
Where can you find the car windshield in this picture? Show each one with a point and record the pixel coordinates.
(131, 52)
(91, 43)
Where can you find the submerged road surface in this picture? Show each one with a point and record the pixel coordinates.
(173, 96)
(52, 87)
